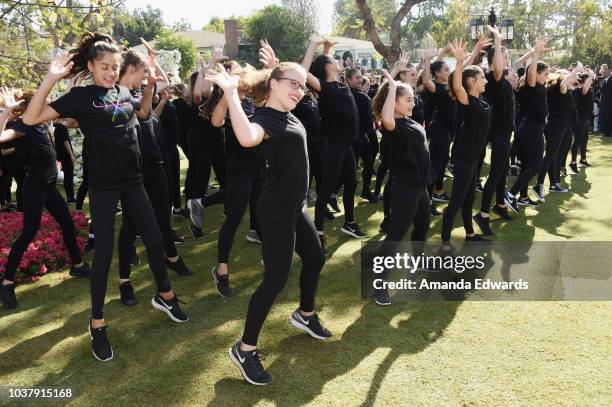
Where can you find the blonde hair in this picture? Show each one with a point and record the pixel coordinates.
(257, 83)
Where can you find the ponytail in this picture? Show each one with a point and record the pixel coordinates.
(90, 47)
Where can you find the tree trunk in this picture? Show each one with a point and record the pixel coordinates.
(389, 52)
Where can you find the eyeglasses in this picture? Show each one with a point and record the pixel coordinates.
(295, 85)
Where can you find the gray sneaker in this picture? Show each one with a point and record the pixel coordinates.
(253, 237)
(196, 212)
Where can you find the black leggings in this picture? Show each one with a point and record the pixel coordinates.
(241, 191)
(363, 150)
(6, 182)
(37, 195)
(385, 161)
(201, 161)
(566, 145)
(315, 163)
(554, 137)
(174, 167)
(338, 168)
(439, 147)
(68, 170)
(154, 179)
(83, 188)
(496, 181)
(581, 138)
(462, 197)
(530, 146)
(103, 207)
(279, 241)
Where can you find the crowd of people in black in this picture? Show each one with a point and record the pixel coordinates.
(277, 138)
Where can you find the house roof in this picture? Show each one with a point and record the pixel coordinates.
(343, 43)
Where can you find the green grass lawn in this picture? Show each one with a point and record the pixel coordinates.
(409, 354)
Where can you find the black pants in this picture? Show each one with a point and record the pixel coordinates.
(385, 161)
(554, 137)
(83, 188)
(530, 146)
(388, 193)
(154, 179)
(363, 149)
(338, 168)
(39, 195)
(462, 197)
(240, 191)
(439, 147)
(279, 241)
(201, 161)
(498, 171)
(174, 168)
(315, 163)
(605, 120)
(581, 138)
(566, 146)
(103, 206)
(68, 170)
(6, 182)
(19, 175)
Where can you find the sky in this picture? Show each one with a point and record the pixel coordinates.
(199, 12)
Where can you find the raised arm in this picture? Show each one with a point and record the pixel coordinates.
(216, 56)
(164, 96)
(248, 134)
(538, 49)
(458, 49)
(428, 82)
(588, 82)
(146, 103)
(307, 61)
(402, 62)
(569, 79)
(164, 82)
(482, 43)
(10, 104)
(38, 110)
(218, 115)
(388, 110)
(498, 59)
(196, 97)
(267, 57)
(522, 61)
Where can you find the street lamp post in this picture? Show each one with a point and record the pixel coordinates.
(477, 26)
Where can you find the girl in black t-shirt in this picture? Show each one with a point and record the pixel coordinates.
(468, 84)
(411, 169)
(65, 156)
(106, 114)
(339, 130)
(281, 209)
(583, 97)
(39, 191)
(530, 134)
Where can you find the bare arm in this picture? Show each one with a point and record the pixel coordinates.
(569, 79)
(498, 59)
(218, 116)
(402, 62)
(307, 61)
(588, 82)
(388, 110)
(522, 61)
(427, 78)
(146, 103)
(482, 43)
(460, 92)
(538, 50)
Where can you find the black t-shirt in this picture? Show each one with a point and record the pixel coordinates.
(245, 162)
(284, 194)
(474, 131)
(584, 104)
(534, 107)
(418, 111)
(339, 116)
(444, 106)
(364, 109)
(201, 126)
(307, 111)
(411, 164)
(170, 122)
(183, 113)
(560, 108)
(373, 90)
(106, 117)
(60, 134)
(500, 96)
(38, 152)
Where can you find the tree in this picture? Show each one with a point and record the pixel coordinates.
(390, 52)
(182, 25)
(308, 11)
(144, 23)
(217, 24)
(169, 40)
(348, 21)
(284, 30)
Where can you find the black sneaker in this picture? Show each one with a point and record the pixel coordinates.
(333, 203)
(126, 292)
(479, 187)
(100, 346)
(585, 163)
(323, 241)
(7, 296)
(563, 172)
(514, 171)
(224, 212)
(557, 188)
(574, 168)
(483, 224)
(443, 197)
(71, 201)
(352, 229)
(179, 266)
(501, 212)
(196, 231)
(434, 210)
(476, 238)
(329, 215)
(381, 297)
(369, 196)
(178, 239)
(526, 201)
(180, 212)
(311, 324)
(222, 283)
(90, 245)
(253, 237)
(83, 271)
(249, 364)
(538, 189)
(384, 224)
(196, 212)
(134, 259)
(511, 202)
(170, 307)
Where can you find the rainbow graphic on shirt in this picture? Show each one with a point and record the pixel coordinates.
(109, 102)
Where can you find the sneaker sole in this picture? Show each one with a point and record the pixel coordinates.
(252, 239)
(301, 326)
(128, 305)
(440, 200)
(509, 205)
(351, 233)
(477, 220)
(196, 220)
(382, 304)
(239, 366)
(540, 197)
(164, 309)
(213, 271)
(92, 351)
(552, 190)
